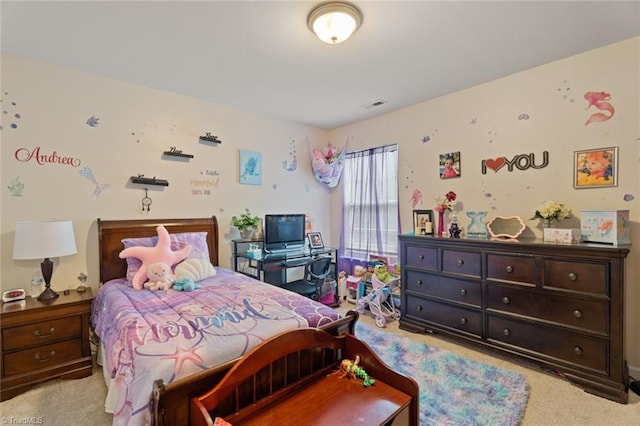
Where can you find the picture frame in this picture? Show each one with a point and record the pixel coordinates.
(449, 165)
(595, 168)
(315, 240)
(250, 172)
(423, 222)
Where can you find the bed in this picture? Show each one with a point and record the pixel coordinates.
(160, 348)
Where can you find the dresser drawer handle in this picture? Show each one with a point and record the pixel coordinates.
(506, 300)
(44, 336)
(460, 262)
(419, 307)
(577, 313)
(421, 257)
(463, 291)
(509, 269)
(463, 320)
(51, 355)
(577, 350)
(419, 282)
(507, 332)
(573, 276)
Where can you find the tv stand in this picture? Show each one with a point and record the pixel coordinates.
(274, 268)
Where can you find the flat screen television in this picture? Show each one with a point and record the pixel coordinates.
(284, 232)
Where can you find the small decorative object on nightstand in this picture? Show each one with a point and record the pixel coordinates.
(83, 279)
(38, 240)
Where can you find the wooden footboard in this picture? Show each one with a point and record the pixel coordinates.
(171, 401)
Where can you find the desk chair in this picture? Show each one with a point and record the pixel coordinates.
(314, 277)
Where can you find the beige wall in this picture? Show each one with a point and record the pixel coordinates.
(552, 97)
(137, 124)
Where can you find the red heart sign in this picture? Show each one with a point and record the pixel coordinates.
(496, 164)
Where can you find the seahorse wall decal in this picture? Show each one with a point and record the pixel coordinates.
(599, 100)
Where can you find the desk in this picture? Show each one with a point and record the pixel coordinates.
(272, 268)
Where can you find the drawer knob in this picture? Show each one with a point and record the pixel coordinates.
(44, 336)
(39, 358)
(460, 262)
(577, 350)
(506, 300)
(419, 307)
(509, 269)
(463, 291)
(421, 257)
(573, 276)
(507, 332)
(463, 320)
(419, 282)
(577, 313)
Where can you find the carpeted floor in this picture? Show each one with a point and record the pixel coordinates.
(453, 390)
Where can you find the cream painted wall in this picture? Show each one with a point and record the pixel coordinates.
(137, 124)
(483, 123)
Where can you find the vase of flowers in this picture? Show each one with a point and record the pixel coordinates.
(444, 204)
(246, 224)
(550, 211)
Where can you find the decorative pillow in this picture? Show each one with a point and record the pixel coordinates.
(161, 252)
(197, 241)
(196, 269)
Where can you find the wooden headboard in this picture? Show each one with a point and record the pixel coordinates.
(112, 232)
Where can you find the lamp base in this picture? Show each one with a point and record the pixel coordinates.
(47, 294)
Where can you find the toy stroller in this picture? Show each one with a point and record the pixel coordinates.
(380, 300)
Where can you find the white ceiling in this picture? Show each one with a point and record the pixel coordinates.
(260, 56)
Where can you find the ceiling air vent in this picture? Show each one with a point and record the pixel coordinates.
(375, 104)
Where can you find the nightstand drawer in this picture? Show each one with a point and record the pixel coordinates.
(41, 333)
(41, 357)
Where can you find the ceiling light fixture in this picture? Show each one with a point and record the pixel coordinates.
(334, 22)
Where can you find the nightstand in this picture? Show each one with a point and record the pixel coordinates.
(41, 341)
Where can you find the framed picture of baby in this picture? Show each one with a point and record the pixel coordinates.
(596, 168)
(449, 165)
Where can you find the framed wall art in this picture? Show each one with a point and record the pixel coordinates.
(250, 167)
(423, 222)
(449, 165)
(595, 168)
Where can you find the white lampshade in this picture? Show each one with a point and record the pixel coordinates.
(40, 240)
(334, 22)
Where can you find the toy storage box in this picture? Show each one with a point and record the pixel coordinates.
(609, 227)
(563, 236)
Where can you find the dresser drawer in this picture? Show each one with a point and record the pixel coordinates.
(421, 257)
(519, 269)
(578, 276)
(466, 320)
(461, 262)
(41, 357)
(40, 333)
(580, 350)
(457, 290)
(589, 315)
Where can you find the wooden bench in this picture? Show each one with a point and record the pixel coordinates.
(294, 379)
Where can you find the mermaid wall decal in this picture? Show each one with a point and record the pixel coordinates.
(599, 100)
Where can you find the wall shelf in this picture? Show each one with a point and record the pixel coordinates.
(149, 181)
(177, 153)
(208, 137)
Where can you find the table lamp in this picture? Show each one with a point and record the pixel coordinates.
(38, 240)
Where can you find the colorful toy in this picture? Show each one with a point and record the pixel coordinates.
(350, 369)
(150, 255)
(185, 284)
(380, 299)
(160, 277)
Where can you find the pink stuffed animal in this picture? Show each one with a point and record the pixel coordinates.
(160, 277)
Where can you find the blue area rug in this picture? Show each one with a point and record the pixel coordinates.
(453, 390)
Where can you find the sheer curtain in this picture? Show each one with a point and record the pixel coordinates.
(370, 213)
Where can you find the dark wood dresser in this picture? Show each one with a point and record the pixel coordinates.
(44, 340)
(560, 306)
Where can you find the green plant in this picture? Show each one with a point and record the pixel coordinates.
(245, 221)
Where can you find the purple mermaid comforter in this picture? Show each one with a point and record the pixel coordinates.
(148, 335)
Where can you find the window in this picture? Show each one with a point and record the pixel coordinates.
(370, 217)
